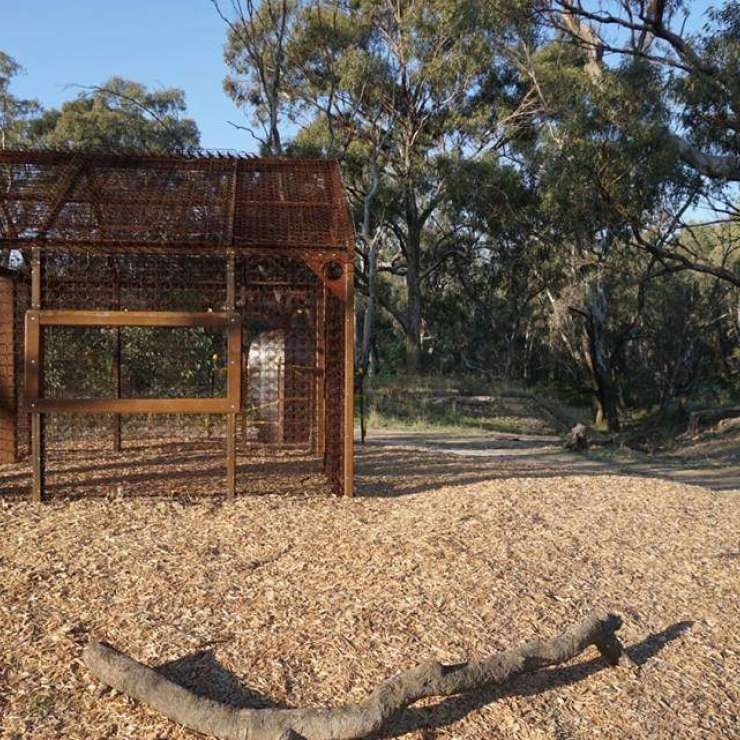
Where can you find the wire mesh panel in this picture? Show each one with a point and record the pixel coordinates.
(335, 389)
(235, 250)
(8, 431)
(172, 202)
(278, 300)
(89, 362)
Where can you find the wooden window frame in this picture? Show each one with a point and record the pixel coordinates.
(36, 320)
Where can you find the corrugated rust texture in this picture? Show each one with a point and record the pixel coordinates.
(8, 430)
(154, 233)
(23, 419)
(95, 201)
(334, 390)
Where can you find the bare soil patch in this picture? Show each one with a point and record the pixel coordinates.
(303, 598)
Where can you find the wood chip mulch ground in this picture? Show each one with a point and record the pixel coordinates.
(305, 599)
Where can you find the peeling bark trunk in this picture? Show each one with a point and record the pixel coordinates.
(352, 720)
(413, 309)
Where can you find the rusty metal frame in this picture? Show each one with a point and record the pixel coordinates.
(188, 204)
(37, 319)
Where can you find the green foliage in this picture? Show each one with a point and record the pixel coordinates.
(15, 113)
(709, 101)
(119, 115)
(525, 204)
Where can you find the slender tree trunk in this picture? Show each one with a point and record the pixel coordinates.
(413, 308)
(511, 348)
(372, 243)
(368, 324)
(606, 404)
(374, 366)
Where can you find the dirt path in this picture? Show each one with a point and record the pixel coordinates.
(543, 455)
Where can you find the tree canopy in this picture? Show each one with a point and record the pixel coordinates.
(541, 191)
(119, 115)
(546, 192)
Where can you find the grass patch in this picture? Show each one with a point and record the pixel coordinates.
(460, 405)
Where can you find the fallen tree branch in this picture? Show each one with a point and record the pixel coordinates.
(352, 720)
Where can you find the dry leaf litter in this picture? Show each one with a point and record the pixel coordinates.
(294, 597)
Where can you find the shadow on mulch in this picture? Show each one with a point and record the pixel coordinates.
(202, 674)
(455, 708)
(193, 470)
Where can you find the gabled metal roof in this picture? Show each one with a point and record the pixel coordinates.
(203, 202)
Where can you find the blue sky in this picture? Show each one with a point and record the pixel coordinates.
(161, 43)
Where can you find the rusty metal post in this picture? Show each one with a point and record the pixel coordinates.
(35, 366)
(233, 362)
(116, 366)
(348, 457)
(8, 410)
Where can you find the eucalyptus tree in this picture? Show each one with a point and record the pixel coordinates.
(616, 189)
(119, 115)
(697, 76)
(256, 47)
(699, 71)
(15, 113)
(420, 86)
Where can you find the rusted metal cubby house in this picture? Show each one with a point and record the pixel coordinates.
(175, 293)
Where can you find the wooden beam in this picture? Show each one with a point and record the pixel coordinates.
(174, 319)
(33, 356)
(129, 405)
(234, 360)
(36, 320)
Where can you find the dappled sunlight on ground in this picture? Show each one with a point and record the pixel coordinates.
(309, 599)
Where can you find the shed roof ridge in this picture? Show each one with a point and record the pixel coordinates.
(177, 155)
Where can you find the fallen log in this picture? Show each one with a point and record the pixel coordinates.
(577, 439)
(352, 720)
(706, 417)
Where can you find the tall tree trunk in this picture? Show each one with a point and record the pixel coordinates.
(511, 338)
(413, 307)
(368, 323)
(372, 244)
(593, 346)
